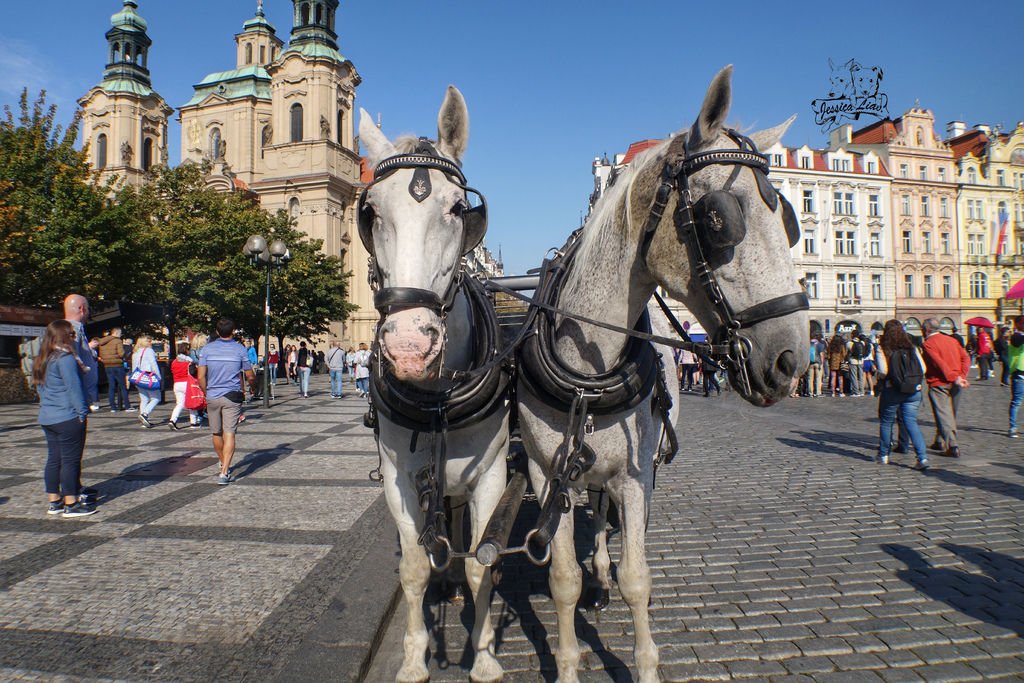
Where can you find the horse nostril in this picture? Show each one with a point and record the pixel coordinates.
(786, 363)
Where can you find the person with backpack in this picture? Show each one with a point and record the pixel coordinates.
(335, 359)
(947, 366)
(857, 351)
(1015, 356)
(901, 371)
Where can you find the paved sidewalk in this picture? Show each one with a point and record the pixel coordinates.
(286, 574)
(780, 551)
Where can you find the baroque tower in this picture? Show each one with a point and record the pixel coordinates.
(124, 121)
(228, 120)
(310, 164)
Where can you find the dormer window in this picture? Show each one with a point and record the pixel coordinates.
(805, 162)
(972, 176)
(872, 167)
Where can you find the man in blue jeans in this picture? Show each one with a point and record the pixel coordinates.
(1015, 355)
(221, 362)
(335, 360)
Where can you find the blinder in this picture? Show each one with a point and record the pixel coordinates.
(720, 222)
(789, 221)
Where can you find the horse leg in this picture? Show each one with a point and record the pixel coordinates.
(414, 570)
(599, 591)
(635, 578)
(565, 581)
(486, 667)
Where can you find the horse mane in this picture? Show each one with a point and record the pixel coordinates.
(406, 144)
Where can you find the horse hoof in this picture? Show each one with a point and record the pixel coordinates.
(597, 598)
(456, 594)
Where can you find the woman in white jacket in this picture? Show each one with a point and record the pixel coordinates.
(144, 358)
(897, 349)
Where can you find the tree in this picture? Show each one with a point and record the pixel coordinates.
(190, 241)
(55, 232)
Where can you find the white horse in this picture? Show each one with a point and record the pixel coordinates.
(416, 221)
(634, 242)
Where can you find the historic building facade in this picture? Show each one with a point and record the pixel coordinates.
(279, 124)
(124, 121)
(842, 199)
(990, 177)
(922, 214)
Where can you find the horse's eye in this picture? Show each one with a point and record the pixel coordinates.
(459, 208)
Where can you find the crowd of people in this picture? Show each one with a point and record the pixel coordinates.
(211, 379)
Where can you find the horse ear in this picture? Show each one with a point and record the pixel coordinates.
(453, 125)
(769, 136)
(378, 147)
(714, 110)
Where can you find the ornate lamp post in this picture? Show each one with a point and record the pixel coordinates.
(274, 256)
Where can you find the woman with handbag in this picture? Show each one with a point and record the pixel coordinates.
(146, 378)
(57, 375)
(180, 371)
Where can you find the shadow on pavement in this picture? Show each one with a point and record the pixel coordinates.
(995, 598)
(259, 459)
(837, 443)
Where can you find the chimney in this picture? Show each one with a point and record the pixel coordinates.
(984, 128)
(841, 136)
(955, 129)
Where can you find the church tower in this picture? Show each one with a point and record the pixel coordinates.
(228, 121)
(124, 121)
(311, 167)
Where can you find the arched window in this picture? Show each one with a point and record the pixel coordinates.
(341, 122)
(296, 122)
(147, 154)
(304, 14)
(215, 140)
(972, 176)
(263, 54)
(101, 151)
(115, 56)
(979, 286)
(145, 59)
(319, 13)
(293, 208)
(127, 52)
(920, 137)
(248, 53)
(1005, 282)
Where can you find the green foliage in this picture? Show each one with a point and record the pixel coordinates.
(172, 242)
(54, 234)
(190, 239)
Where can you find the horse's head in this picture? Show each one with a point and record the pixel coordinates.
(727, 255)
(416, 221)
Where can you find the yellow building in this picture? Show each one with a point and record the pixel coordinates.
(923, 215)
(281, 125)
(990, 180)
(124, 121)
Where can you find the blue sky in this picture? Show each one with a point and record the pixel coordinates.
(550, 85)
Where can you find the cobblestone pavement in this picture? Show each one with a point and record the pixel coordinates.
(178, 579)
(780, 551)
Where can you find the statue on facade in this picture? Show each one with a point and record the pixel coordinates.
(126, 153)
(195, 132)
(325, 127)
(268, 134)
(222, 150)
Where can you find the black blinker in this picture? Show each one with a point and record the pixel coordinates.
(789, 221)
(720, 221)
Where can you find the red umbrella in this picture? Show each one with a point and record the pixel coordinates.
(1016, 292)
(979, 322)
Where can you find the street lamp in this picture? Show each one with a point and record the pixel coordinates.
(274, 256)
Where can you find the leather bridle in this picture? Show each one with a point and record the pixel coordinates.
(424, 159)
(676, 176)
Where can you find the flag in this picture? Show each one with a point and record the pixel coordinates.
(1004, 220)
